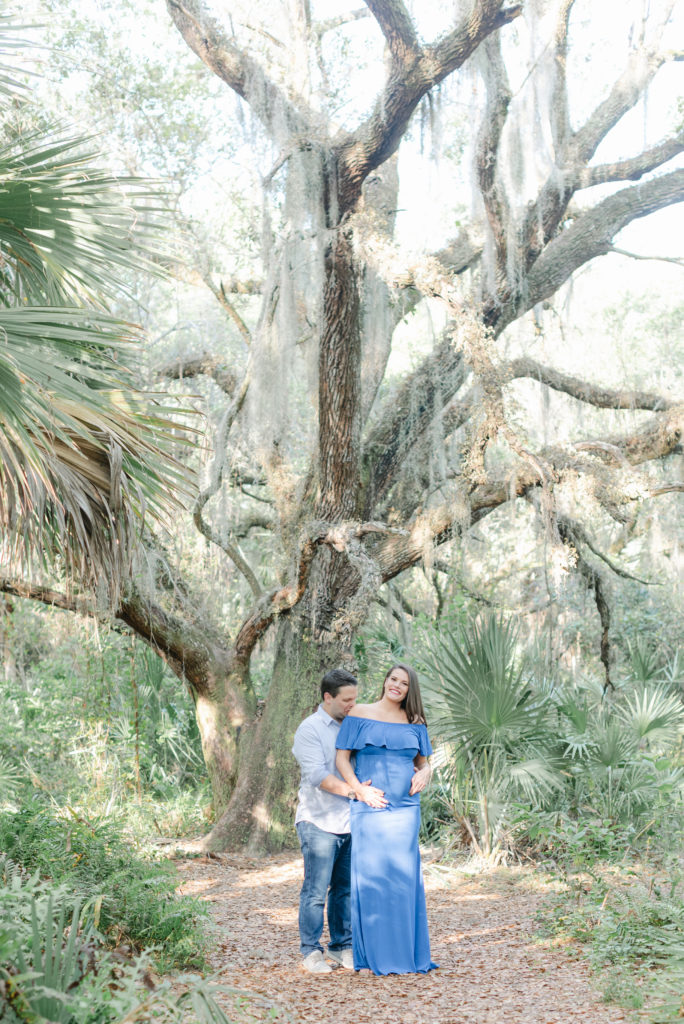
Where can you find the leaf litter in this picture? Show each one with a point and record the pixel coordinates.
(492, 970)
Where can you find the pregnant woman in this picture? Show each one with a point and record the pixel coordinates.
(390, 742)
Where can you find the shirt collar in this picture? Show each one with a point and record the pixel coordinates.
(328, 719)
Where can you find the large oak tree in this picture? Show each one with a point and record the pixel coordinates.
(356, 482)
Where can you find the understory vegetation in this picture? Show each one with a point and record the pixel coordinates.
(581, 780)
(90, 920)
(100, 761)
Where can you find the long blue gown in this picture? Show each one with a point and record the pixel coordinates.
(389, 919)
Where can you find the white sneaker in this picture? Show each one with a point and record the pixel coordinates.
(314, 963)
(342, 957)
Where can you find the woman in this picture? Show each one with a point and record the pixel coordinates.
(390, 740)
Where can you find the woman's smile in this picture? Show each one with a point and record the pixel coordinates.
(397, 686)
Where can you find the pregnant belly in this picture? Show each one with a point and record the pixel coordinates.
(389, 770)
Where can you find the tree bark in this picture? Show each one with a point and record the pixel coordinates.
(260, 814)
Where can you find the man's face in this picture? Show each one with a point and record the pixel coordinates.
(339, 707)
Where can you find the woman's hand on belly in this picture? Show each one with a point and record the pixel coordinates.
(421, 777)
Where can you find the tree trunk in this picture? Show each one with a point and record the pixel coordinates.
(223, 714)
(260, 814)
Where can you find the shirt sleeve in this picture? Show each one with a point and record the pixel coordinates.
(308, 750)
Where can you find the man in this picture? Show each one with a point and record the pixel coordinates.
(322, 823)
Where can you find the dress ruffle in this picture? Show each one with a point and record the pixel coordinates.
(357, 733)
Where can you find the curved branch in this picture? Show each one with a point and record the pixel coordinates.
(583, 391)
(581, 534)
(590, 235)
(216, 472)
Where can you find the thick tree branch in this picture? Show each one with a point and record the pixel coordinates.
(487, 149)
(212, 44)
(583, 391)
(633, 168)
(433, 527)
(340, 537)
(396, 26)
(560, 114)
(406, 417)
(626, 92)
(190, 650)
(206, 365)
(596, 582)
(377, 138)
(588, 236)
(546, 213)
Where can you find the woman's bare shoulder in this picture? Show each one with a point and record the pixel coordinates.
(362, 711)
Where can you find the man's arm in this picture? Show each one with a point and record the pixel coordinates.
(364, 791)
(309, 752)
(423, 774)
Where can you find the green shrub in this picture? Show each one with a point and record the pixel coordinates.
(517, 744)
(137, 901)
(53, 967)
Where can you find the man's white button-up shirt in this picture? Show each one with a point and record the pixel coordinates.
(314, 748)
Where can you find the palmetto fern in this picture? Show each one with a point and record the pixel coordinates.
(83, 455)
(483, 706)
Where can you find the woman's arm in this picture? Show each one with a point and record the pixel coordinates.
(422, 774)
(364, 791)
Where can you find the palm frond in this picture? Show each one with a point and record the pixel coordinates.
(483, 694)
(68, 230)
(83, 456)
(654, 713)
(10, 43)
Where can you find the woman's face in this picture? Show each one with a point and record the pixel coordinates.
(396, 685)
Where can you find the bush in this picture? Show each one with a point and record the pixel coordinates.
(53, 966)
(136, 897)
(511, 738)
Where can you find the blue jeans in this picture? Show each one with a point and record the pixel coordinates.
(327, 873)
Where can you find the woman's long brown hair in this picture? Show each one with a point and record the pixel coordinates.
(412, 702)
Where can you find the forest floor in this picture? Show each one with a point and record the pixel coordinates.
(482, 927)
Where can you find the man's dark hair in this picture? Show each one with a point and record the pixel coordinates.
(334, 680)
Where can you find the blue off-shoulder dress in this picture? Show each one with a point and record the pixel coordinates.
(389, 920)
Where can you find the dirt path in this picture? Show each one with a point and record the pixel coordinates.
(491, 972)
